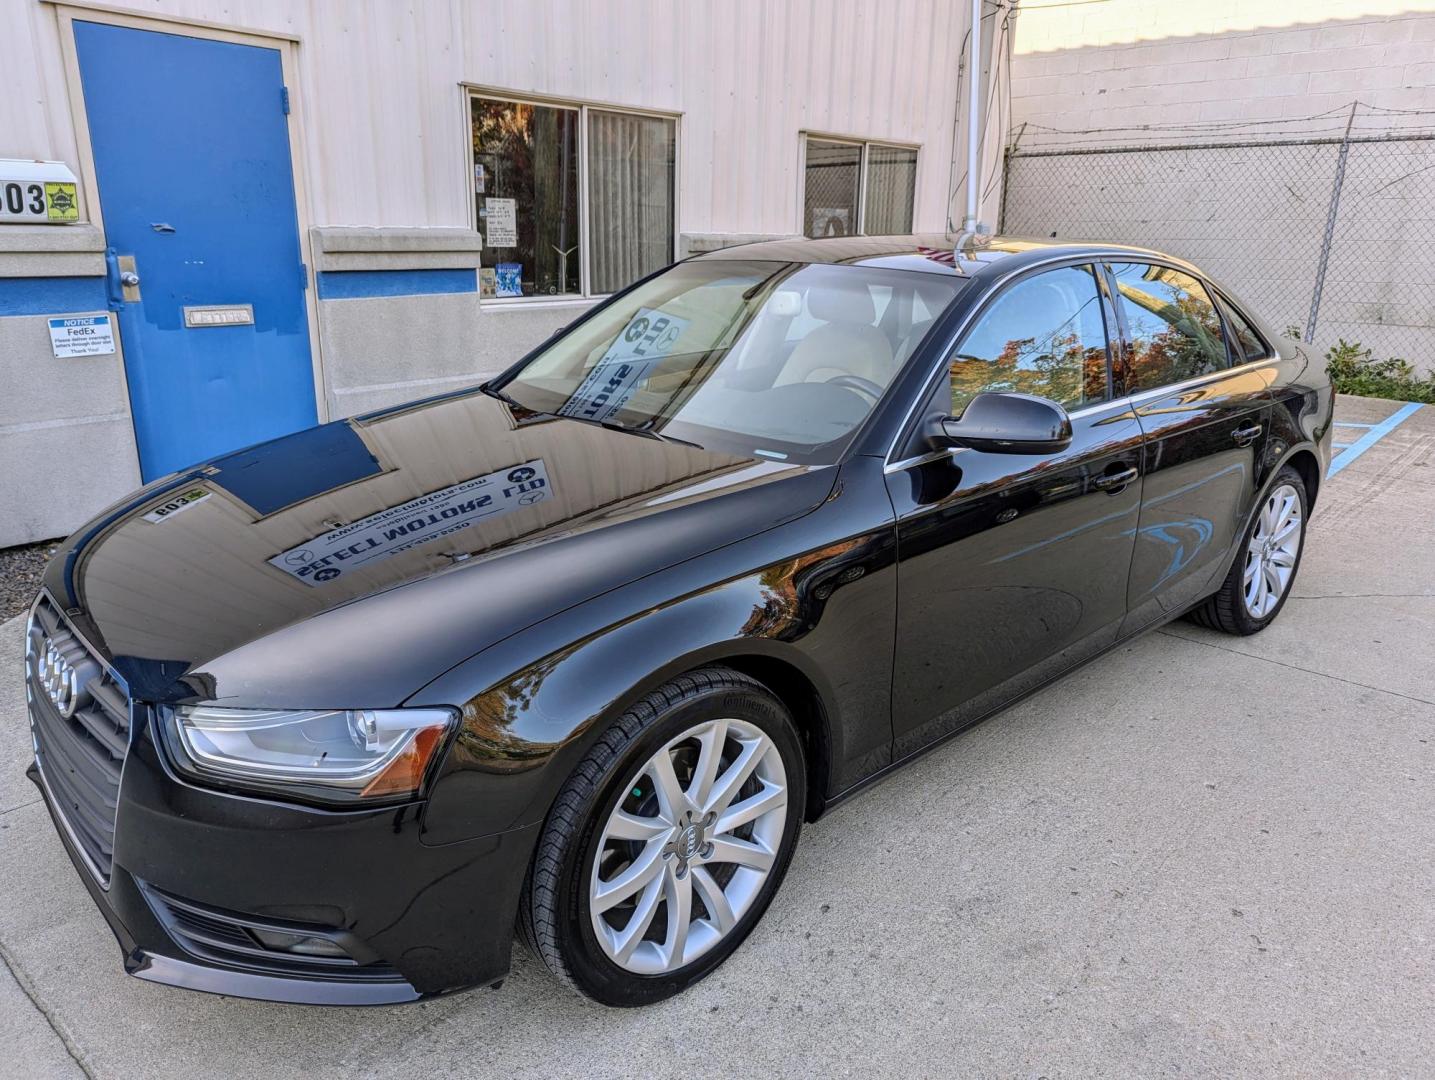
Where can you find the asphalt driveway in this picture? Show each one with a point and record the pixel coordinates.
(1200, 855)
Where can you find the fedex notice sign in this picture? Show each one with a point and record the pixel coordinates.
(82, 335)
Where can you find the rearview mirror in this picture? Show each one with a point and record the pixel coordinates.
(1007, 424)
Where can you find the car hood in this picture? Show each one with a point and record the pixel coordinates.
(347, 565)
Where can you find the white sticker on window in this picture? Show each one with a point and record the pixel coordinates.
(649, 336)
(399, 528)
(502, 223)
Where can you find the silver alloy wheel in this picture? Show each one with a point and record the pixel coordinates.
(1271, 555)
(702, 821)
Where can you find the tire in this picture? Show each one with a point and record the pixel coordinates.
(613, 823)
(1233, 609)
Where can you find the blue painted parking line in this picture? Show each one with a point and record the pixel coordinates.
(1351, 423)
(1375, 433)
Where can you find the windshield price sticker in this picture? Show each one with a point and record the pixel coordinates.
(399, 528)
(649, 337)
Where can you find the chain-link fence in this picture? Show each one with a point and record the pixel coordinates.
(1334, 236)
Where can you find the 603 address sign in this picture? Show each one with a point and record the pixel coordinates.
(26, 199)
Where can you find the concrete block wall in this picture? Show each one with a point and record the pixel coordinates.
(1124, 64)
(66, 441)
(1180, 76)
(399, 316)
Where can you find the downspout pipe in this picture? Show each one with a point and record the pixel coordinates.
(974, 107)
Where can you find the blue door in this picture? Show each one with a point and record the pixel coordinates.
(191, 149)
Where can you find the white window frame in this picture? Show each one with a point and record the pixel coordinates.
(583, 296)
(866, 146)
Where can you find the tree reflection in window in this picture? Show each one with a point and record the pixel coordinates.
(1044, 336)
(1173, 326)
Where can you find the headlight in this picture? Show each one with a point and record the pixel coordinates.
(342, 754)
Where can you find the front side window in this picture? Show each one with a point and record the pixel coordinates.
(532, 180)
(1175, 333)
(1044, 335)
(781, 360)
(852, 188)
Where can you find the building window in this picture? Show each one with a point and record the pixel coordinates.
(571, 201)
(858, 188)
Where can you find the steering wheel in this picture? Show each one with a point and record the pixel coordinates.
(856, 383)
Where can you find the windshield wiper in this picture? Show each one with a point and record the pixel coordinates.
(494, 392)
(511, 401)
(647, 433)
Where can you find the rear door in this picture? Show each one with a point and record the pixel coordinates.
(1013, 567)
(1205, 414)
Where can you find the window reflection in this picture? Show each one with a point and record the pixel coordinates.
(1045, 336)
(1173, 326)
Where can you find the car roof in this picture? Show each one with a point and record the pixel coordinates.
(930, 253)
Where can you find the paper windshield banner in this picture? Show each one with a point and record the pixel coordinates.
(649, 336)
(399, 528)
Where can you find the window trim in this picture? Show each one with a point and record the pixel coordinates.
(470, 91)
(865, 145)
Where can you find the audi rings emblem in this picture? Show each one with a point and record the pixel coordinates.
(55, 674)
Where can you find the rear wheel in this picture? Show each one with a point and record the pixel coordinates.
(1260, 579)
(668, 841)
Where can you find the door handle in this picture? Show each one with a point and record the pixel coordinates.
(129, 278)
(1247, 435)
(1112, 483)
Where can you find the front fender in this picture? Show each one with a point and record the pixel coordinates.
(826, 615)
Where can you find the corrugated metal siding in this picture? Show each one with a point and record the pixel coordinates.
(384, 130)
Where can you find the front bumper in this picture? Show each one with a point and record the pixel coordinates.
(195, 871)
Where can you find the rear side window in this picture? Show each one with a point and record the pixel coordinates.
(1045, 335)
(1246, 344)
(1175, 332)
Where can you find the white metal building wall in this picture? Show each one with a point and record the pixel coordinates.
(380, 95)
(385, 140)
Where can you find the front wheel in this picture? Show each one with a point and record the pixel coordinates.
(1260, 579)
(669, 840)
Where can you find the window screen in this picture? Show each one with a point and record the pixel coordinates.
(631, 162)
(891, 185)
(1174, 329)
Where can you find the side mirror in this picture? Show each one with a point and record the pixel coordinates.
(1006, 424)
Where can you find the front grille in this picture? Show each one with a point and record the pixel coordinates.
(228, 937)
(80, 722)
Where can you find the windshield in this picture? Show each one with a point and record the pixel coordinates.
(776, 359)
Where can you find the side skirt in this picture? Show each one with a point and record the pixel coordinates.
(981, 717)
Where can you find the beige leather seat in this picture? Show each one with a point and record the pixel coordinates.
(848, 345)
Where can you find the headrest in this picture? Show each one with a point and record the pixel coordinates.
(845, 303)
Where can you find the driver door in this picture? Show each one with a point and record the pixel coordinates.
(1014, 567)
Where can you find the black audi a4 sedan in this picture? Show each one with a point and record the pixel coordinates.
(579, 651)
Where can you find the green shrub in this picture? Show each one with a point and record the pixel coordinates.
(1354, 370)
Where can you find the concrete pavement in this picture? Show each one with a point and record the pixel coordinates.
(1200, 855)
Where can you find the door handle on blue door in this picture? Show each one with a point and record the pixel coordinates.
(1114, 482)
(1246, 435)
